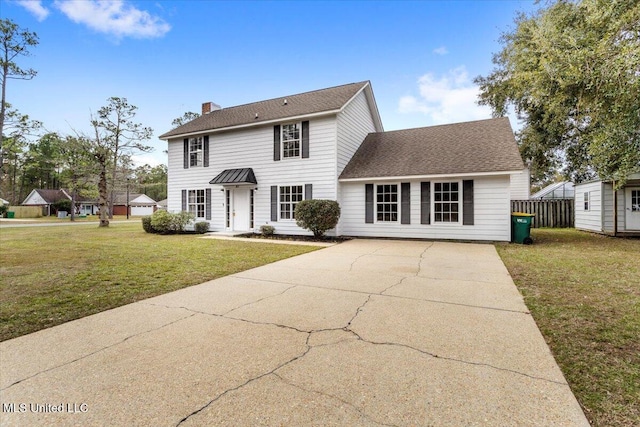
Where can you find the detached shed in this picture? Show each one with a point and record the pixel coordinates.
(600, 209)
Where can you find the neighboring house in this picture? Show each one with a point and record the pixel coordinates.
(162, 205)
(44, 199)
(3, 202)
(242, 167)
(557, 190)
(139, 204)
(600, 209)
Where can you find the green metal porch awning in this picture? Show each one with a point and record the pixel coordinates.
(235, 176)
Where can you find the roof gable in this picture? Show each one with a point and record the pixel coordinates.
(482, 146)
(45, 197)
(299, 105)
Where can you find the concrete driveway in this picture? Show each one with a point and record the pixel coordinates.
(365, 333)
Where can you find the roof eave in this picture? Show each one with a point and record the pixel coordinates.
(429, 176)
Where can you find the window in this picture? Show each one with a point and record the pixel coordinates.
(227, 208)
(251, 209)
(195, 203)
(446, 207)
(387, 202)
(289, 198)
(635, 200)
(586, 201)
(291, 140)
(195, 152)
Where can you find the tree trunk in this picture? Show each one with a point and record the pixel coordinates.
(73, 204)
(102, 188)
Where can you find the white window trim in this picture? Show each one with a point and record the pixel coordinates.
(433, 204)
(375, 203)
(282, 156)
(204, 203)
(292, 219)
(586, 201)
(200, 152)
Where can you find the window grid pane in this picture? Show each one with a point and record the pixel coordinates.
(289, 198)
(196, 203)
(291, 140)
(195, 151)
(387, 202)
(447, 202)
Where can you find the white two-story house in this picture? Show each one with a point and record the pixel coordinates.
(246, 166)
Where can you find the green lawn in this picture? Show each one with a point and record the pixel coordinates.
(584, 292)
(50, 275)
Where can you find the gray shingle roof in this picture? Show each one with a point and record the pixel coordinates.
(317, 101)
(460, 148)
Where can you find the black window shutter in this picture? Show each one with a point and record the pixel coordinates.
(305, 140)
(425, 202)
(368, 203)
(186, 153)
(184, 200)
(467, 202)
(207, 206)
(308, 191)
(206, 151)
(276, 143)
(405, 203)
(274, 203)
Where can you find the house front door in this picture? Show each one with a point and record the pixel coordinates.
(632, 208)
(241, 211)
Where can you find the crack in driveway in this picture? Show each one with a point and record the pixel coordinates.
(98, 351)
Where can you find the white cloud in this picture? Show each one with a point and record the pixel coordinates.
(442, 50)
(447, 99)
(114, 17)
(36, 8)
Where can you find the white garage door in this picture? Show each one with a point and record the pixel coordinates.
(141, 210)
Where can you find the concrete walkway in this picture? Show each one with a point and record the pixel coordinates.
(365, 333)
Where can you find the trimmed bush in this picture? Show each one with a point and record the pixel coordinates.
(146, 224)
(164, 222)
(267, 230)
(317, 215)
(3, 210)
(201, 227)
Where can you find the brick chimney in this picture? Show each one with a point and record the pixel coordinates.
(208, 107)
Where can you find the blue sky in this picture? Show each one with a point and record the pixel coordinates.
(168, 57)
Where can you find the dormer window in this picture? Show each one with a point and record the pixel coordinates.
(291, 140)
(195, 152)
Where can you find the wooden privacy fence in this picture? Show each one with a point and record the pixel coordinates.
(555, 213)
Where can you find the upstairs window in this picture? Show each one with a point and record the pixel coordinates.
(196, 151)
(446, 207)
(291, 140)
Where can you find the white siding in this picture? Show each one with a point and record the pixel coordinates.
(34, 199)
(491, 208)
(354, 123)
(608, 225)
(589, 219)
(253, 148)
(520, 185)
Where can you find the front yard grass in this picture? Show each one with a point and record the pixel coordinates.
(50, 275)
(583, 291)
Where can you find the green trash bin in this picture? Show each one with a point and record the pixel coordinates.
(11, 214)
(521, 227)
